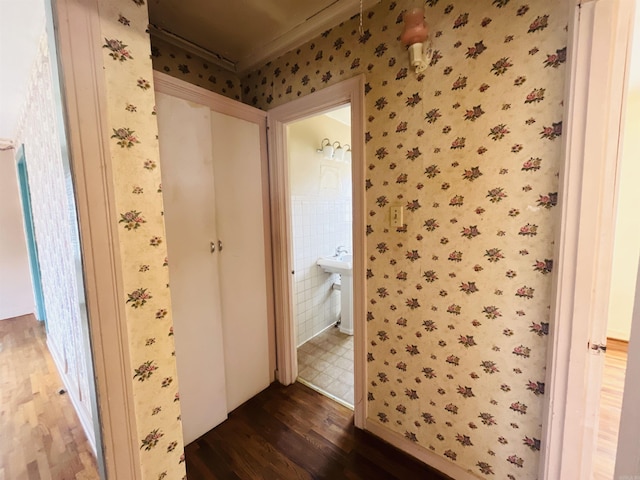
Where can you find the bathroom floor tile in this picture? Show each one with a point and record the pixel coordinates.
(326, 361)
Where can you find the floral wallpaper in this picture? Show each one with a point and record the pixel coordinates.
(38, 131)
(136, 174)
(191, 68)
(459, 295)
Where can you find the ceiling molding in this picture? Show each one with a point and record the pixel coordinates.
(188, 46)
(331, 16)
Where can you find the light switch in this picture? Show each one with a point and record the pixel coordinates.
(395, 216)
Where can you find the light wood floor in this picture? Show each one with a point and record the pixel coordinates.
(615, 365)
(40, 434)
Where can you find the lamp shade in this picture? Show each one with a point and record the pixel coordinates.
(415, 28)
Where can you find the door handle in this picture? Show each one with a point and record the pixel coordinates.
(219, 245)
(213, 247)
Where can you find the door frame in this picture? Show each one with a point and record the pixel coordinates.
(598, 45)
(351, 92)
(30, 234)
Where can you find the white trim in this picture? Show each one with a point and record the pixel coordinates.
(81, 409)
(584, 241)
(79, 40)
(164, 83)
(433, 460)
(331, 16)
(349, 91)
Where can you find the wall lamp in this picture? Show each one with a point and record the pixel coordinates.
(338, 153)
(415, 36)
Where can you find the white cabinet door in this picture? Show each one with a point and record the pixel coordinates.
(243, 278)
(189, 206)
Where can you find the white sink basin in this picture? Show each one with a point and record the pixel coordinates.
(341, 265)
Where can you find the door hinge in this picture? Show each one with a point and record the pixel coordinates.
(597, 347)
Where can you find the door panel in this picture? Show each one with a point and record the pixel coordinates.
(240, 223)
(189, 205)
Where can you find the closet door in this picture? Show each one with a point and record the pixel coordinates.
(189, 205)
(243, 274)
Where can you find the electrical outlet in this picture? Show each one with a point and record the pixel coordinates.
(395, 216)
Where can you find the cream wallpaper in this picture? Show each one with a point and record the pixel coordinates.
(191, 68)
(38, 131)
(136, 171)
(458, 296)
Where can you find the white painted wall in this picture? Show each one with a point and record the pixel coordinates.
(16, 294)
(321, 220)
(627, 234)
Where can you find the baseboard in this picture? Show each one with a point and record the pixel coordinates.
(419, 452)
(83, 415)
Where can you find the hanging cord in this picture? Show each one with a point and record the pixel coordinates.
(360, 29)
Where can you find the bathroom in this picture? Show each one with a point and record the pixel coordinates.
(319, 165)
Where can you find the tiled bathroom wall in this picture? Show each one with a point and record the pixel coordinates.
(318, 226)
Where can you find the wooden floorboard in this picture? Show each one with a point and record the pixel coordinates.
(283, 433)
(40, 434)
(296, 433)
(615, 365)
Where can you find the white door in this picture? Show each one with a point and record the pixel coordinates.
(189, 206)
(243, 277)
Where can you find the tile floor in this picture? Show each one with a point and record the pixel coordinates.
(326, 362)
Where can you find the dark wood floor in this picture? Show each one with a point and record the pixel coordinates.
(296, 433)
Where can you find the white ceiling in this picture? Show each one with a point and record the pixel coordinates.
(21, 27)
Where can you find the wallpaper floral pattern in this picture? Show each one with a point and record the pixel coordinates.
(191, 68)
(136, 171)
(38, 131)
(458, 296)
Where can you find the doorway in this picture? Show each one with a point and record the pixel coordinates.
(626, 252)
(350, 92)
(320, 184)
(30, 236)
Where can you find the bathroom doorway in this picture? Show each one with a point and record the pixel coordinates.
(320, 184)
(281, 120)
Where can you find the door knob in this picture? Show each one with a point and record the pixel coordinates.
(219, 245)
(213, 247)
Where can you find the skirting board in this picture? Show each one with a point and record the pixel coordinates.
(83, 415)
(421, 453)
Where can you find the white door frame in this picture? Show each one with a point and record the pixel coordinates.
(599, 32)
(349, 91)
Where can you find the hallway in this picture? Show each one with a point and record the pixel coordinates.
(295, 432)
(41, 434)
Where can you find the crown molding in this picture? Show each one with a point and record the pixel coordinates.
(331, 16)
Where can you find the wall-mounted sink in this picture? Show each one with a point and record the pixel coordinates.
(341, 264)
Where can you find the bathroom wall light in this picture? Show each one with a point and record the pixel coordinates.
(326, 149)
(335, 151)
(416, 37)
(338, 152)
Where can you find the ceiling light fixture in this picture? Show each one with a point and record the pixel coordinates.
(415, 36)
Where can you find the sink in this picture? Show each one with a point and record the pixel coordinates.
(342, 265)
